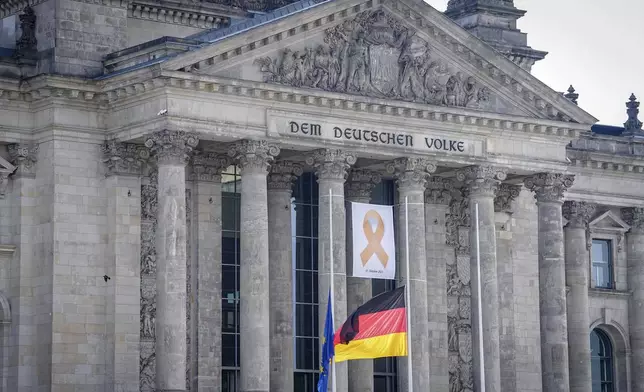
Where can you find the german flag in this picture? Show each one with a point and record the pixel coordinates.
(376, 329)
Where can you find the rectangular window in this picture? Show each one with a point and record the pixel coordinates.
(602, 263)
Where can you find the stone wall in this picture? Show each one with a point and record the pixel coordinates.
(140, 31)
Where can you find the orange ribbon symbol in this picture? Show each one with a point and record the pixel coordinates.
(374, 239)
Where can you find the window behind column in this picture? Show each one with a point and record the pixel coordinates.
(230, 184)
(602, 263)
(601, 361)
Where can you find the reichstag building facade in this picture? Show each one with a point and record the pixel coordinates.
(165, 176)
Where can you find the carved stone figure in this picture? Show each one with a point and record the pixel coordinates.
(26, 45)
(374, 55)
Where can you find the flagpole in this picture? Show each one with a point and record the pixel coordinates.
(332, 283)
(408, 300)
(480, 301)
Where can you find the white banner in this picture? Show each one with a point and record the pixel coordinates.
(374, 252)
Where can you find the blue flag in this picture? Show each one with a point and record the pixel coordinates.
(327, 348)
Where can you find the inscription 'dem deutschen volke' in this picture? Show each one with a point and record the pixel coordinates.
(378, 137)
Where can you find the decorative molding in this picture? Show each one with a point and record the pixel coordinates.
(254, 156)
(549, 187)
(208, 166)
(578, 213)
(608, 162)
(634, 216)
(505, 195)
(458, 218)
(124, 158)
(330, 163)
(175, 14)
(24, 157)
(411, 173)
(360, 184)
(483, 180)
(439, 190)
(282, 174)
(172, 147)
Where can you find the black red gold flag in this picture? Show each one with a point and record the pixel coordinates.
(376, 329)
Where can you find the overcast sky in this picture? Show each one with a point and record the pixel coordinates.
(595, 45)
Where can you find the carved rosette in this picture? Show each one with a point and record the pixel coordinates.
(634, 216)
(282, 174)
(578, 213)
(172, 147)
(482, 180)
(208, 166)
(253, 156)
(124, 158)
(23, 157)
(505, 195)
(360, 184)
(331, 164)
(411, 173)
(439, 190)
(549, 187)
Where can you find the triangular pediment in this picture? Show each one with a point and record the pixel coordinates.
(386, 49)
(609, 221)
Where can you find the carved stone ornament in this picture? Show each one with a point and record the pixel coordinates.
(438, 190)
(505, 195)
(26, 45)
(208, 166)
(482, 180)
(24, 157)
(124, 158)
(282, 174)
(634, 216)
(578, 213)
(331, 164)
(375, 55)
(360, 184)
(253, 155)
(458, 217)
(172, 147)
(148, 313)
(411, 173)
(549, 187)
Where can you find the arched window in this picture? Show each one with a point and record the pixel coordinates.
(601, 356)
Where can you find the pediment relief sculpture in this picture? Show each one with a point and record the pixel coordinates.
(375, 55)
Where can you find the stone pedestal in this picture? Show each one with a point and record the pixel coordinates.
(549, 189)
(411, 176)
(280, 247)
(483, 182)
(171, 150)
(253, 158)
(577, 259)
(331, 169)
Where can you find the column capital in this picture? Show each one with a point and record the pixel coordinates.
(172, 147)
(411, 173)
(360, 184)
(578, 213)
(505, 195)
(482, 180)
(634, 216)
(23, 157)
(253, 156)
(282, 174)
(549, 187)
(331, 164)
(438, 190)
(124, 158)
(207, 167)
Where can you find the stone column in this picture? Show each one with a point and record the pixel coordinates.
(635, 256)
(254, 158)
(171, 150)
(577, 258)
(358, 189)
(331, 169)
(280, 248)
(437, 199)
(483, 182)
(206, 275)
(549, 189)
(411, 176)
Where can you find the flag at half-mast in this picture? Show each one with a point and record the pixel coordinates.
(376, 329)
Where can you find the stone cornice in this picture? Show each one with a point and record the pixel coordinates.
(180, 14)
(608, 162)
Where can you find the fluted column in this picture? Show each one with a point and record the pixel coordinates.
(635, 256)
(254, 158)
(577, 257)
(549, 189)
(331, 169)
(483, 182)
(437, 199)
(280, 248)
(411, 176)
(358, 189)
(171, 150)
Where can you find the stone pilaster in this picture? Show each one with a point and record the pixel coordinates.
(577, 257)
(205, 320)
(438, 195)
(483, 182)
(635, 255)
(254, 158)
(171, 150)
(358, 189)
(331, 168)
(411, 177)
(549, 189)
(280, 248)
